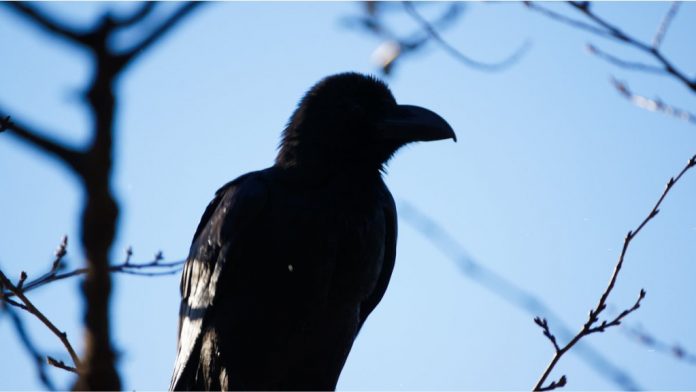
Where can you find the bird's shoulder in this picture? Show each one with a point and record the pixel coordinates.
(234, 206)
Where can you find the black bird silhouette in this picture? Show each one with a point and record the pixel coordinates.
(288, 262)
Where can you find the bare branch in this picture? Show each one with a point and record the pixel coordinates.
(156, 267)
(544, 325)
(158, 33)
(509, 292)
(555, 384)
(626, 64)
(664, 24)
(66, 155)
(567, 20)
(605, 29)
(653, 105)
(33, 310)
(454, 52)
(593, 317)
(60, 364)
(68, 33)
(29, 346)
(617, 320)
(141, 13)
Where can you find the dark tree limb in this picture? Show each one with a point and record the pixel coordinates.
(54, 148)
(94, 166)
(5, 122)
(590, 325)
(45, 22)
(141, 13)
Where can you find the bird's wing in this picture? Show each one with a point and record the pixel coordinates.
(225, 219)
(391, 226)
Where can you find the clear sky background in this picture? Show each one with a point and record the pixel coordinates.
(551, 170)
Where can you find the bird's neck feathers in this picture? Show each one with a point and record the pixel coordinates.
(314, 159)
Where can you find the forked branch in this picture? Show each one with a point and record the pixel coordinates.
(29, 307)
(592, 325)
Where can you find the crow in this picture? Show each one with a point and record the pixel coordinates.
(288, 262)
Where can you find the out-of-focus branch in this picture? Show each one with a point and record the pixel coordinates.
(94, 166)
(45, 22)
(590, 325)
(626, 64)
(510, 292)
(601, 27)
(159, 32)
(66, 155)
(653, 105)
(29, 346)
(141, 13)
(6, 283)
(676, 351)
(457, 54)
(567, 20)
(5, 123)
(664, 24)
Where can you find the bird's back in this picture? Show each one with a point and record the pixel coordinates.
(299, 264)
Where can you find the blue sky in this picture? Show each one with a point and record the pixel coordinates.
(552, 168)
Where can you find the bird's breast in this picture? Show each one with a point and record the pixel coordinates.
(321, 247)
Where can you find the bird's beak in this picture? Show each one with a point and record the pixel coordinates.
(408, 123)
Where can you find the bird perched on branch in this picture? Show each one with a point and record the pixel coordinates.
(288, 262)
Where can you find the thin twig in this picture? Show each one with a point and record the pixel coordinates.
(544, 324)
(168, 268)
(60, 364)
(626, 64)
(156, 267)
(33, 310)
(567, 20)
(589, 326)
(454, 52)
(650, 50)
(29, 346)
(608, 30)
(555, 384)
(664, 24)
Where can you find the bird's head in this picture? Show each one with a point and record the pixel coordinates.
(352, 122)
